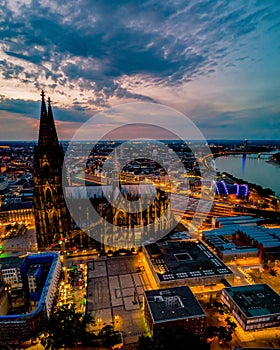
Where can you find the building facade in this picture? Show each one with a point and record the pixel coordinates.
(171, 308)
(180, 263)
(10, 269)
(21, 214)
(234, 241)
(121, 229)
(52, 218)
(254, 306)
(18, 328)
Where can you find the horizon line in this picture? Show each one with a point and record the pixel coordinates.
(116, 140)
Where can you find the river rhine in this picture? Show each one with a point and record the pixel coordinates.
(251, 169)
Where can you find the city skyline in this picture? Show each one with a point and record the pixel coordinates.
(217, 63)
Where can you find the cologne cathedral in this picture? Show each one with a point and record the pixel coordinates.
(121, 229)
(53, 220)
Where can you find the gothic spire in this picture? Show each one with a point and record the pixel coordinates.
(53, 135)
(43, 105)
(47, 131)
(50, 114)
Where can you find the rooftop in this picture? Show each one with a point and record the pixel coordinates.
(173, 260)
(82, 192)
(242, 219)
(173, 304)
(10, 262)
(268, 237)
(255, 300)
(46, 257)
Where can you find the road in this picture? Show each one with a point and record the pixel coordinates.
(239, 277)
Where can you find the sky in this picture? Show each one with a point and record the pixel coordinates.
(217, 62)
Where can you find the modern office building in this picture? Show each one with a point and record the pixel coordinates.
(16, 328)
(227, 243)
(234, 241)
(267, 240)
(254, 306)
(173, 307)
(178, 263)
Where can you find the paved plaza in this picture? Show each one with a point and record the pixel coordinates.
(22, 243)
(115, 294)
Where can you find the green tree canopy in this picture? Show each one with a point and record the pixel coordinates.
(66, 327)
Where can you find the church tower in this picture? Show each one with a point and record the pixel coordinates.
(52, 218)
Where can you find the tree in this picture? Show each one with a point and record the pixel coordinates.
(66, 327)
(145, 343)
(107, 335)
(210, 332)
(177, 338)
(228, 336)
(217, 304)
(231, 325)
(222, 331)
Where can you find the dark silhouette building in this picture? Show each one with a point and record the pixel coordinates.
(52, 218)
(166, 309)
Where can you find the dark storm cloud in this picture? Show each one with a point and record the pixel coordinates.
(31, 109)
(19, 106)
(233, 124)
(9, 69)
(102, 42)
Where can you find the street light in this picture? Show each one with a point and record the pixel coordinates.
(117, 317)
(99, 322)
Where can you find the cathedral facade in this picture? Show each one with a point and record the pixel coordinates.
(52, 219)
(119, 229)
(115, 228)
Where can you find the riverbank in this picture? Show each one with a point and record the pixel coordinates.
(263, 192)
(256, 172)
(275, 159)
(273, 162)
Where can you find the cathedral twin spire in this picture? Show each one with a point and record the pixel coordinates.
(52, 217)
(47, 130)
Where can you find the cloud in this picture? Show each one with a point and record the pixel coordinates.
(27, 108)
(93, 45)
(31, 109)
(242, 123)
(91, 55)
